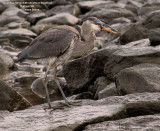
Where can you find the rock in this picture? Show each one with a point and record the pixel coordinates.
(84, 95)
(100, 84)
(10, 99)
(17, 32)
(109, 90)
(154, 36)
(136, 104)
(126, 57)
(152, 20)
(26, 79)
(35, 16)
(143, 123)
(2, 7)
(87, 5)
(141, 78)
(6, 62)
(147, 8)
(68, 119)
(109, 14)
(62, 18)
(135, 32)
(71, 9)
(120, 20)
(80, 73)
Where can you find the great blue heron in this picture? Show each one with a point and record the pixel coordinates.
(60, 43)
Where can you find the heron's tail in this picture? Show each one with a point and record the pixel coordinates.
(23, 56)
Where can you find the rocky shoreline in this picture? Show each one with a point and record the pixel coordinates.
(118, 83)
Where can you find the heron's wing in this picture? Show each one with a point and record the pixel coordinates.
(51, 43)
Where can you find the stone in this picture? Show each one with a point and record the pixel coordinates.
(71, 9)
(84, 95)
(11, 100)
(152, 19)
(108, 15)
(88, 5)
(148, 7)
(154, 36)
(35, 16)
(120, 20)
(135, 32)
(67, 119)
(2, 7)
(6, 62)
(109, 90)
(139, 78)
(62, 18)
(80, 73)
(100, 84)
(143, 123)
(126, 57)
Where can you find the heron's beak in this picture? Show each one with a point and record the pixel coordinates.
(108, 28)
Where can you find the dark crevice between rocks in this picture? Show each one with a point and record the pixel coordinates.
(132, 110)
(120, 115)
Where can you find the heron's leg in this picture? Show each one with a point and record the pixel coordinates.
(45, 81)
(59, 86)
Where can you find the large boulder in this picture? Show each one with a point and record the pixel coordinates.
(10, 99)
(130, 55)
(139, 78)
(62, 18)
(68, 119)
(154, 36)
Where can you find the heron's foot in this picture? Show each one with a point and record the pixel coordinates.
(73, 103)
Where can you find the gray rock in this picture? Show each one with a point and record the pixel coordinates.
(135, 32)
(87, 5)
(17, 32)
(2, 7)
(71, 9)
(81, 72)
(100, 84)
(6, 62)
(139, 78)
(109, 14)
(62, 18)
(35, 16)
(84, 95)
(140, 123)
(147, 8)
(152, 19)
(120, 20)
(154, 36)
(10, 99)
(109, 90)
(67, 119)
(126, 57)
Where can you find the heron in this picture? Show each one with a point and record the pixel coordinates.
(61, 43)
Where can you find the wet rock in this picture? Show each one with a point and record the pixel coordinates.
(154, 36)
(62, 18)
(135, 32)
(139, 78)
(143, 123)
(26, 79)
(6, 62)
(17, 32)
(2, 7)
(67, 119)
(109, 90)
(10, 99)
(147, 8)
(71, 9)
(35, 16)
(100, 84)
(152, 19)
(126, 57)
(81, 72)
(109, 14)
(87, 5)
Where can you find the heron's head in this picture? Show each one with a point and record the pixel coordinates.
(98, 25)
